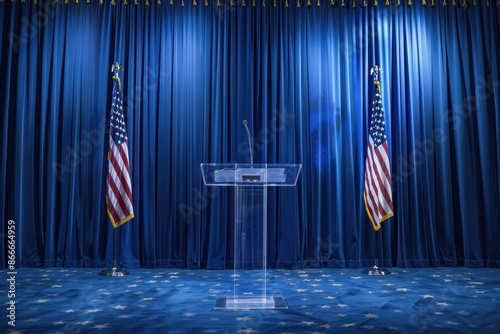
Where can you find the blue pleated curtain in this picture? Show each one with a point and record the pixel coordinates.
(300, 76)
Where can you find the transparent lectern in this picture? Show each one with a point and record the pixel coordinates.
(250, 182)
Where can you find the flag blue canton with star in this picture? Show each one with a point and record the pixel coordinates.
(377, 124)
(117, 120)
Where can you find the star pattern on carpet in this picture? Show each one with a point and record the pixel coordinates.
(319, 301)
(100, 327)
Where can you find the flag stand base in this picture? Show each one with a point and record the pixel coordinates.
(376, 271)
(114, 272)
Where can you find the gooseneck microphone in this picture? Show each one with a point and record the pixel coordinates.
(245, 123)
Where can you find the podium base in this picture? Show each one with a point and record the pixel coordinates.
(250, 303)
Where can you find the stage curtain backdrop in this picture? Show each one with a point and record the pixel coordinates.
(300, 76)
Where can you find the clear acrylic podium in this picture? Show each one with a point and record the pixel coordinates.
(250, 182)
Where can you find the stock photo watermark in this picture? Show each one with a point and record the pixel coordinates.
(11, 273)
(31, 27)
(74, 155)
(426, 315)
(455, 118)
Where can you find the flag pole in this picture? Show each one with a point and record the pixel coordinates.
(114, 271)
(376, 270)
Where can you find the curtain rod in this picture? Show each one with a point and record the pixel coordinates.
(286, 3)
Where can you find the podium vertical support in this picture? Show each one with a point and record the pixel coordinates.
(250, 183)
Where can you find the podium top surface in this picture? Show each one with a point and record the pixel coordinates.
(235, 174)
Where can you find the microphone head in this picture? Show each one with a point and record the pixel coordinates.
(245, 122)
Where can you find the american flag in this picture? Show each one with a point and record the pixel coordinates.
(118, 186)
(378, 191)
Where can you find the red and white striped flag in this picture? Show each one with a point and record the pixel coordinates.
(118, 185)
(378, 191)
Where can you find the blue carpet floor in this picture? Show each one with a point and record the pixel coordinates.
(430, 300)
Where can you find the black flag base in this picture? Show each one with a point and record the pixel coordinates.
(114, 272)
(376, 271)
